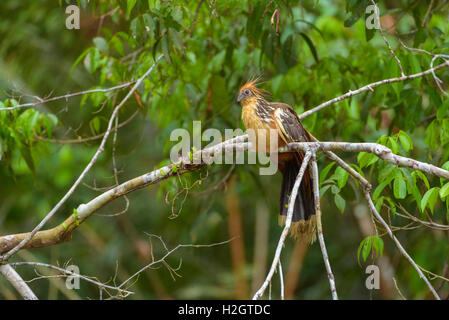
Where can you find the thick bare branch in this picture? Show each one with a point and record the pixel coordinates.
(379, 150)
(63, 232)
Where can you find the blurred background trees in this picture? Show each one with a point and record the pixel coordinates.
(307, 52)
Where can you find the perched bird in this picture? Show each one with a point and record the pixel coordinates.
(261, 116)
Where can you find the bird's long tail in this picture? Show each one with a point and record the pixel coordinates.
(303, 219)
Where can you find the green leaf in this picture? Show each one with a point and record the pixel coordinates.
(365, 159)
(406, 142)
(429, 199)
(380, 188)
(350, 21)
(129, 6)
(361, 245)
(92, 60)
(101, 44)
(324, 189)
(393, 145)
(311, 46)
(378, 245)
(415, 66)
(216, 64)
(176, 38)
(379, 203)
(81, 56)
(26, 154)
(340, 202)
(445, 166)
(325, 171)
(442, 110)
(118, 45)
(95, 122)
(342, 176)
(165, 48)
(433, 135)
(399, 188)
(444, 131)
(444, 191)
(367, 248)
(423, 177)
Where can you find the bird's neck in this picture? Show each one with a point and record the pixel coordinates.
(249, 102)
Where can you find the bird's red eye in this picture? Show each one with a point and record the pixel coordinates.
(247, 92)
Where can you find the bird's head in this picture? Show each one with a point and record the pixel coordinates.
(249, 93)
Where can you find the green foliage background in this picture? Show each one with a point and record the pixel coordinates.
(322, 50)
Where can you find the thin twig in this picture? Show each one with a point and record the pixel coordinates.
(92, 138)
(168, 253)
(67, 96)
(397, 288)
(316, 193)
(281, 278)
(66, 272)
(376, 11)
(429, 9)
(398, 244)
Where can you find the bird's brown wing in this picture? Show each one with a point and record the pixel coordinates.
(288, 123)
(290, 129)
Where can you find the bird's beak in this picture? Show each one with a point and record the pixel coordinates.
(240, 97)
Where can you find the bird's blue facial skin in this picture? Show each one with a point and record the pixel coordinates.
(245, 93)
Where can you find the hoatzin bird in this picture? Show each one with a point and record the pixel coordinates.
(261, 116)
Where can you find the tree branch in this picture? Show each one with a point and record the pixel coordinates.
(67, 96)
(370, 87)
(63, 232)
(16, 280)
(376, 11)
(122, 292)
(316, 193)
(398, 244)
(379, 150)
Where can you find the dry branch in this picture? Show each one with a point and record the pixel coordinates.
(370, 87)
(316, 194)
(17, 282)
(63, 232)
(65, 272)
(401, 249)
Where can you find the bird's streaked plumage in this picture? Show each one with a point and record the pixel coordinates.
(260, 115)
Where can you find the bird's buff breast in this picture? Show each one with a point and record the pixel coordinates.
(260, 128)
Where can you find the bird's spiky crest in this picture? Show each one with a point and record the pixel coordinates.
(252, 85)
